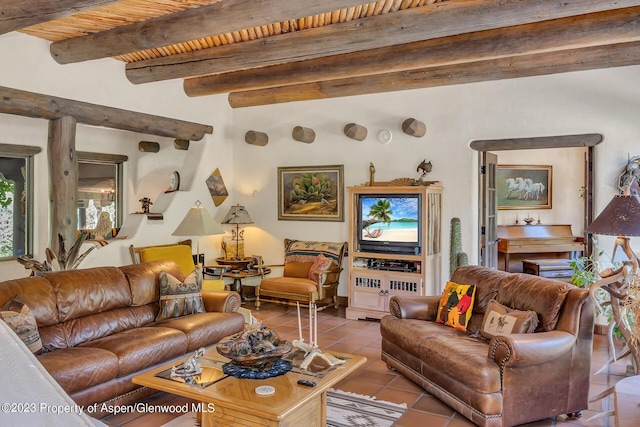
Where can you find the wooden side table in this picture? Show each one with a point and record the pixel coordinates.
(235, 264)
(237, 277)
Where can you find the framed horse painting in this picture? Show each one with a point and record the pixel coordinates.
(524, 187)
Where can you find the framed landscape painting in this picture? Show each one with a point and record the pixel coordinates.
(311, 193)
(524, 187)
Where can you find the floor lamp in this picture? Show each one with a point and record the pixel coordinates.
(198, 222)
(621, 218)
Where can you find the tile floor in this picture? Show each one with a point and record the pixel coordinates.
(374, 379)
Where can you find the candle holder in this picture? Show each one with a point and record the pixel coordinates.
(311, 350)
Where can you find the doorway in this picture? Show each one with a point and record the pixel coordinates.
(487, 200)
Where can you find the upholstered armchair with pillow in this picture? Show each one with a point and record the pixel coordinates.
(180, 253)
(311, 274)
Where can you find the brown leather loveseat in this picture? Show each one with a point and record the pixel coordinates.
(509, 379)
(98, 327)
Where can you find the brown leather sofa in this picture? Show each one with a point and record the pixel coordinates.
(98, 327)
(510, 379)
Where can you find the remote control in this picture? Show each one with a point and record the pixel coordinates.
(307, 383)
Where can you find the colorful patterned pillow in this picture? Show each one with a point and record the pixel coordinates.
(320, 263)
(180, 298)
(17, 315)
(502, 320)
(456, 305)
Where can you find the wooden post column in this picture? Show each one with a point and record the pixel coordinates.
(63, 181)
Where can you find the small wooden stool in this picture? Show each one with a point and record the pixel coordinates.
(558, 268)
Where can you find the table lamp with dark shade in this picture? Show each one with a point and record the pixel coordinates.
(198, 222)
(237, 215)
(621, 217)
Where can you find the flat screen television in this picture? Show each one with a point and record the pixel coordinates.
(390, 223)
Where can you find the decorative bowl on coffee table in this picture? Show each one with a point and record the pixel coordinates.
(255, 353)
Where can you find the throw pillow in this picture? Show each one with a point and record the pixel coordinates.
(180, 298)
(17, 315)
(320, 263)
(502, 320)
(456, 305)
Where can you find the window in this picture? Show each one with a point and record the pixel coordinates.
(16, 202)
(100, 191)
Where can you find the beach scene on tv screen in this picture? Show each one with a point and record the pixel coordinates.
(393, 219)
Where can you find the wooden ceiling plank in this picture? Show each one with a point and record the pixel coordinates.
(17, 14)
(30, 104)
(601, 28)
(581, 59)
(218, 18)
(405, 26)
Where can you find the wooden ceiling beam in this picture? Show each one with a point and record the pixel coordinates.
(218, 18)
(595, 29)
(29, 104)
(404, 26)
(17, 14)
(589, 58)
(537, 142)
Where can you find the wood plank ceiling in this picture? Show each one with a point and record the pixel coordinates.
(271, 51)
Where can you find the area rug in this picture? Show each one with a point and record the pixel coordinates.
(344, 409)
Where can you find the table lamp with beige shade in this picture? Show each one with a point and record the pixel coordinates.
(196, 223)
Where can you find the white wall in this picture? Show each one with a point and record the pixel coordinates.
(600, 101)
(28, 66)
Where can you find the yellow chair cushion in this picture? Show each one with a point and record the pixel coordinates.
(181, 254)
(213, 285)
(294, 285)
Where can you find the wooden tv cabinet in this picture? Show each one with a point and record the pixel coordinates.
(374, 277)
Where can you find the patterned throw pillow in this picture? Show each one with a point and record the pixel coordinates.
(18, 317)
(456, 305)
(320, 263)
(502, 320)
(180, 298)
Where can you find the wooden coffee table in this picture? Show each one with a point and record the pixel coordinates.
(235, 401)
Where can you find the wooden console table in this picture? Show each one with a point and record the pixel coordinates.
(536, 239)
